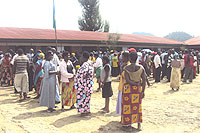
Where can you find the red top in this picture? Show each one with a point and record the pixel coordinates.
(191, 63)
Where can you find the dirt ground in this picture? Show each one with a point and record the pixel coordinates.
(163, 111)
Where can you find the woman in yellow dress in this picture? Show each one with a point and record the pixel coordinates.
(175, 73)
(67, 71)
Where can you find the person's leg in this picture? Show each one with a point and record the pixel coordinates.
(20, 95)
(57, 95)
(99, 83)
(25, 85)
(186, 73)
(147, 80)
(156, 75)
(107, 105)
(159, 73)
(191, 72)
(182, 73)
(169, 72)
(18, 84)
(163, 71)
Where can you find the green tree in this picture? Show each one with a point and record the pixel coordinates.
(179, 36)
(113, 39)
(91, 18)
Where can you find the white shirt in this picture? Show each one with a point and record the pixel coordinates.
(98, 63)
(56, 61)
(13, 59)
(157, 61)
(63, 69)
(162, 56)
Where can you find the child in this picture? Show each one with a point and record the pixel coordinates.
(106, 82)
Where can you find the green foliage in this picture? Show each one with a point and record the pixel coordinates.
(179, 36)
(91, 19)
(113, 38)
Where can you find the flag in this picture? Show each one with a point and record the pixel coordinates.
(54, 16)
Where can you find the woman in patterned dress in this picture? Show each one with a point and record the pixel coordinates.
(84, 85)
(175, 73)
(6, 71)
(67, 70)
(132, 94)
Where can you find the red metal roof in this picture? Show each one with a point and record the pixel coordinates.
(193, 41)
(49, 34)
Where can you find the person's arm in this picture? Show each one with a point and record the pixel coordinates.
(64, 72)
(97, 63)
(107, 69)
(28, 65)
(14, 68)
(143, 83)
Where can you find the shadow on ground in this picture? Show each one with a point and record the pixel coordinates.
(113, 126)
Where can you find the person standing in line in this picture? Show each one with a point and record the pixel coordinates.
(115, 70)
(92, 58)
(74, 60)
(12, 64)
(197, 54)
(169, 67)
(164, 56)
(148, 63)
(21, 65)
(6, 71)
(55, 60)
(157, 63)
(125, 61)
(31, 69)
(132, 94)
(84, 85)
(143, 63)
(39, 73)
(189, 64)
(48, 92)
(106, 83)
(67, 70)
(98, 68)
(176, 73)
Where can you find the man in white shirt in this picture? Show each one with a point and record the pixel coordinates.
(31, 69)
(56, 62)
(164, 64)
(98, 67)
(157, 62)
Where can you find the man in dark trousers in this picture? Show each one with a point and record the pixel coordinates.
(157, 62)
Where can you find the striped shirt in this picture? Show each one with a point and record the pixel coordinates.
(21, 64)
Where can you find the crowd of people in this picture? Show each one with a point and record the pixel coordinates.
(63, 77)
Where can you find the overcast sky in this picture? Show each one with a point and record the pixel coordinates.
(158, 17)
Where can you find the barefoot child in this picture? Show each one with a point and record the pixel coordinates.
(106, 82)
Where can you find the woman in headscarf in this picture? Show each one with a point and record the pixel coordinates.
(84, 85)
(48, 92)
(38, 76)
(67, 71)
(132, 94)
(175, 73)
(6, 71)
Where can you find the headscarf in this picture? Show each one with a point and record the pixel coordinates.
(41, 56)
(73, 54)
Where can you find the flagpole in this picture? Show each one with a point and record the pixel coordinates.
(56, 40)
(54, 25)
